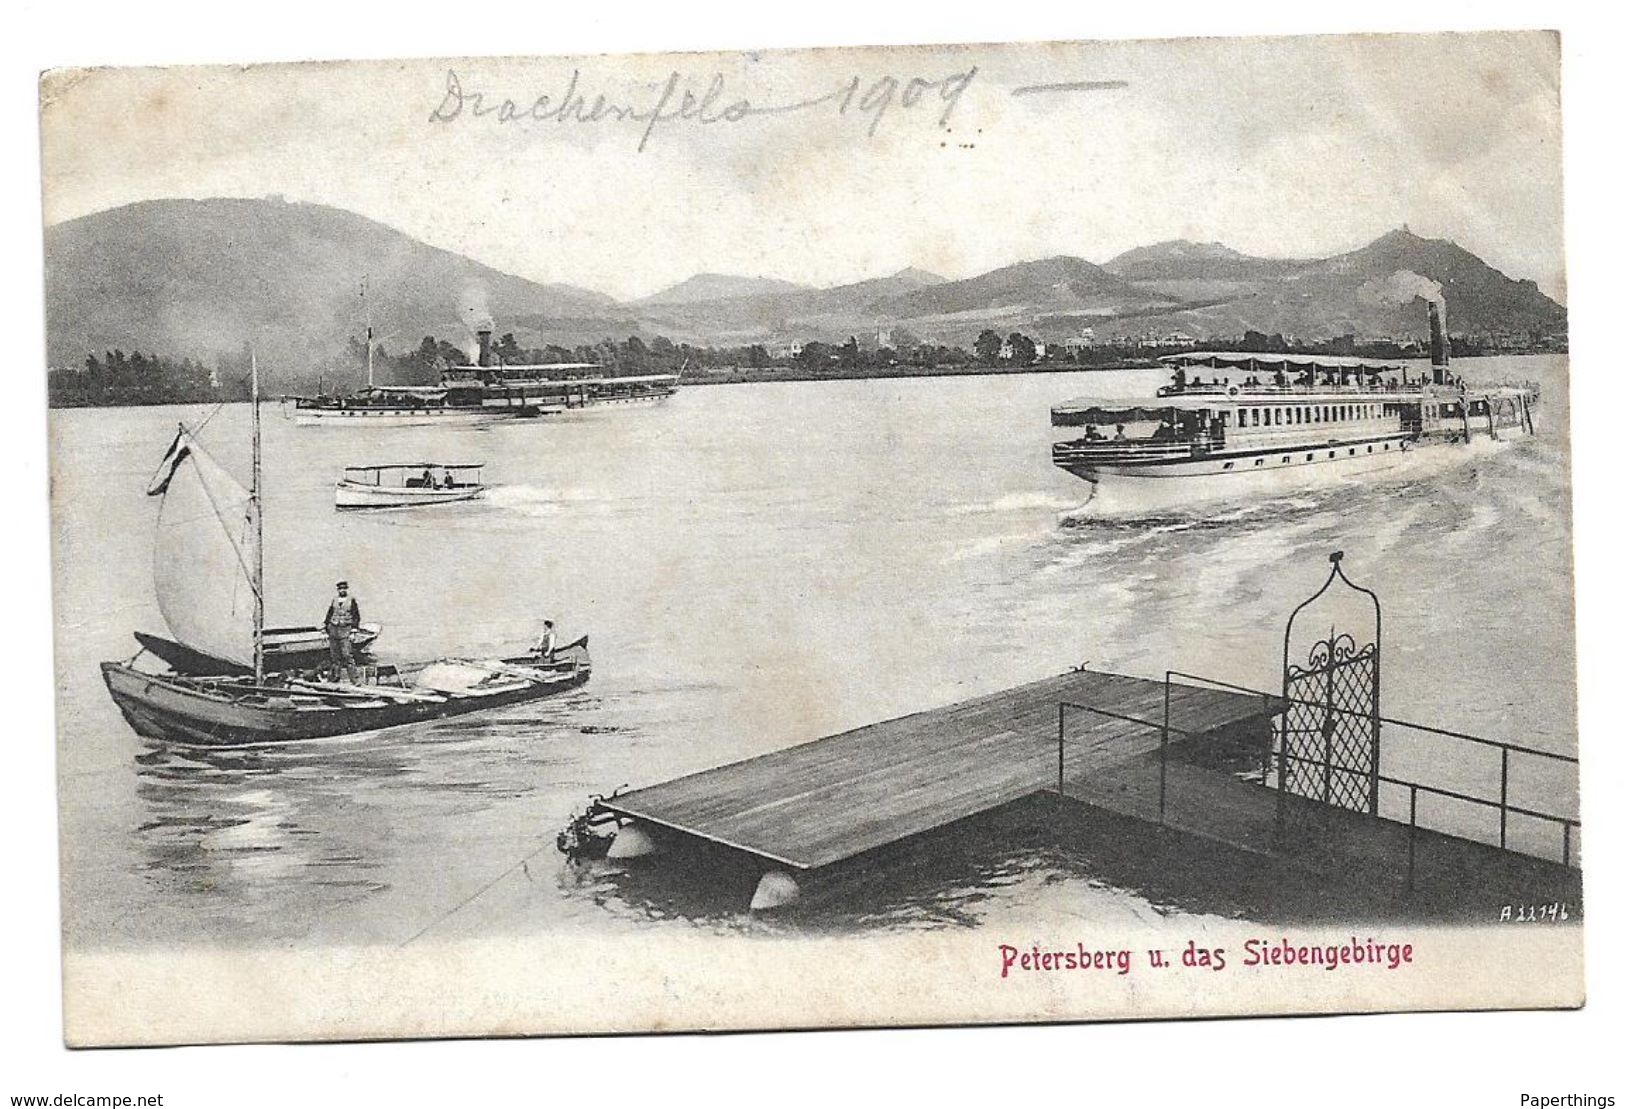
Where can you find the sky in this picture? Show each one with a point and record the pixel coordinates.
(952, 159)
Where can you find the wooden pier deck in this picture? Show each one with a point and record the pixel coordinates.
(835, 798)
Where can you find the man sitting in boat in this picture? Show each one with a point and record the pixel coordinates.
(343, 617)
(1091, 434)
(545, 645)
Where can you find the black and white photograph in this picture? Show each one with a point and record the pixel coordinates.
(842, 537)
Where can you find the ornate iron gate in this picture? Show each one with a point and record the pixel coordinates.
(1329, 738)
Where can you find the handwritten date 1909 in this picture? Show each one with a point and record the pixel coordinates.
(681, 99)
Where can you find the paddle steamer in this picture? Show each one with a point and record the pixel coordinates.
(1235, 421)
(481, 393)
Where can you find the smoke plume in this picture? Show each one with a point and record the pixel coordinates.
(476, 310)
(1400, 288)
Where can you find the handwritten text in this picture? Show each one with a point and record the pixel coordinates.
(681, 99)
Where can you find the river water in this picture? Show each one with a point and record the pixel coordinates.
(757, 565)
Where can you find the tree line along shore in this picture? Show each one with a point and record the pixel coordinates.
(117, 378)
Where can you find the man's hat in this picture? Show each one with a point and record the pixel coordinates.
(343, 585)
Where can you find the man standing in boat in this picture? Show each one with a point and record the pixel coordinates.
(343, 617)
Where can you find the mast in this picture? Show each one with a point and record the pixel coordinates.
(368, 309)
(259, 528)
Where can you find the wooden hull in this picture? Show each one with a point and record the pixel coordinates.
(353, 494)
(227, 713)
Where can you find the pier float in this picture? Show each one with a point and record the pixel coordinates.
(1293, 778)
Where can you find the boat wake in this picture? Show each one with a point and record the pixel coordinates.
(1015, 502)
(537, 500)
(1203, 515)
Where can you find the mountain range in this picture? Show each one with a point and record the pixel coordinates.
(199, 278)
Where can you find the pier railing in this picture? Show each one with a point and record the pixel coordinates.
(1501, 809)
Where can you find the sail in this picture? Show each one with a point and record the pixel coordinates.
(204, 554)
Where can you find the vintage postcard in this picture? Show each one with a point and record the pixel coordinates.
(819, 538)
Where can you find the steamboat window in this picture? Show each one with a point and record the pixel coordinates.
(1285, 458)
(1258, 462)
(1229, 465)
(1266, 417)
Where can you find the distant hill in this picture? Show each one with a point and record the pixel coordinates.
(719, 286)
(201, 278)
(1027, 290)
(1355, 293)
(790, 313)
(1183, 260)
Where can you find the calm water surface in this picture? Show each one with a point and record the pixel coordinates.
(757, 565)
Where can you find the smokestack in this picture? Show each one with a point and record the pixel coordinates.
(484, 335)
(1438, 343)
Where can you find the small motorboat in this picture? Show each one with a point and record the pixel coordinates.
(408, 484)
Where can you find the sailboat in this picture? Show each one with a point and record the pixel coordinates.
(209, 576)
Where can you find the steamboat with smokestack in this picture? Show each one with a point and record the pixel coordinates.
(486, 391)
(1232, 423)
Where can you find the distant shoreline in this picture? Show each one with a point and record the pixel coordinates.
(747, 376)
